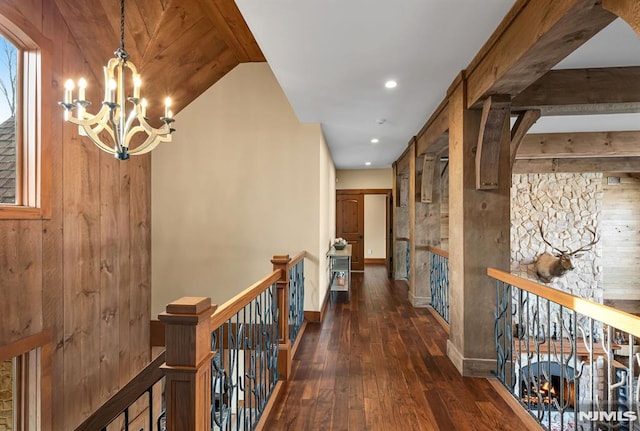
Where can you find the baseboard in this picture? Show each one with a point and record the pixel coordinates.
(470, 367)
(273, 400)
(419, 301)
(318, 316)
(439, 318)
(294, 348)
(520, 411)
(375, 261)
(455, 356)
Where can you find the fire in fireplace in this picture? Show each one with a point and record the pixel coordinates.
(542, 383)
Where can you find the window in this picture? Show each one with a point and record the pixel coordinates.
(24, 156)
(8, 153)
(24, 380)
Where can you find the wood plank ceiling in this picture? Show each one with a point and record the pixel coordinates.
(180, 47)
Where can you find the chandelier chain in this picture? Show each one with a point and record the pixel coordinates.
(121, 53)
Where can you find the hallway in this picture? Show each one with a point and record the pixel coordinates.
(378, 364)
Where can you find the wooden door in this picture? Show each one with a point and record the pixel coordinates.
(350, 225)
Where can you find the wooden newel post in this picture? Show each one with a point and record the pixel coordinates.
(281, 263)
(188, 364)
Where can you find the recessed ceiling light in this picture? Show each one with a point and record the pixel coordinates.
(367, 163)
(375, 140)
(391, 84)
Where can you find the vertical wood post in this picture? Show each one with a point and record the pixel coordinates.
(479, 226)
(412, 221)
(188, 364)
(281, 263)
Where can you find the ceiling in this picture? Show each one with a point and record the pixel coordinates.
(333, 57)
(190, 44)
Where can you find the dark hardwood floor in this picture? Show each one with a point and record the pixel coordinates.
(376, 363)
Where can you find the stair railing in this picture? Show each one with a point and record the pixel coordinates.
(138, 405)
(570, 362)
(439, 281)
(225, 365)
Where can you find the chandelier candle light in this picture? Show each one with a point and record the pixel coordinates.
(112, 117)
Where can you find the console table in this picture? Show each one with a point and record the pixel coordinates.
(340, 268)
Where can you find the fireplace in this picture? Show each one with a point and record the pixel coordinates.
(542, 384)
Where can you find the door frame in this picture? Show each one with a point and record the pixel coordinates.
(388, 217)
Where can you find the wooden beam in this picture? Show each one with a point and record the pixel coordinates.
(428, 172)
(433, 136)
(583, 91)
(519, 131)
(532, 39)
(580, 145)
(495, 113)
(412, 220)
(595, 164)
(402, 163)
(628, 10)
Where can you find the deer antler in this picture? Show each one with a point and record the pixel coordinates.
(548, 243)
(587, 247)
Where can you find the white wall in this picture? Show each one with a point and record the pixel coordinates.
(375, 225)
(364, 178)
(374, 205)
(327, 221)
(243, 180)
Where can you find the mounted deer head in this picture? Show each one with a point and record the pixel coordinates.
(548, 266)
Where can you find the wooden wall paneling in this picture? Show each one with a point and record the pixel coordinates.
(231, 26)
(21, 279)
(95, 27)
(82, 249)
(140, 285)
(81, 167)
(535, 38)
(124, 273)
(620, 233)
(66, 266)
(150, 13)
(52, 280)
(208, 60)
(109, 292)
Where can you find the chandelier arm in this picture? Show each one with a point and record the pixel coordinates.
(151, 142)
(92, 125)
(94, 136)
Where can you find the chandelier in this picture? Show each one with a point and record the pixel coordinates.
(112, 122)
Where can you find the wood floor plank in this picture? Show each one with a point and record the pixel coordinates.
(378, 364)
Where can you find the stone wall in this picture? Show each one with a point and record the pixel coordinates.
(6, 396)
(565, 204)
